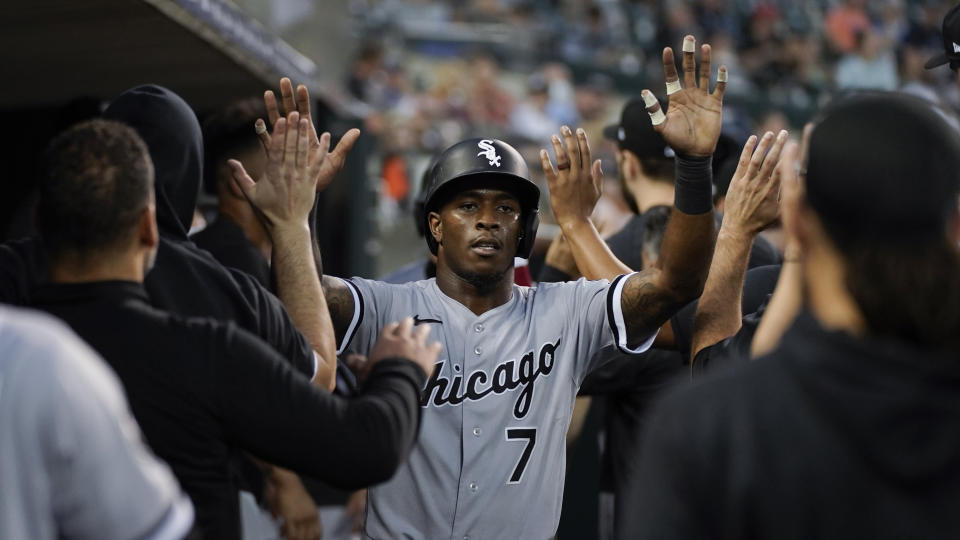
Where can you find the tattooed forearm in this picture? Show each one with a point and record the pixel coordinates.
(340, 303)
(647, 305)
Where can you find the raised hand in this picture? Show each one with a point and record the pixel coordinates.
(575, 183)
(691, 125)
(300, 104)
(284, 197)
(752, 201)
(317, 147)
(791, 166)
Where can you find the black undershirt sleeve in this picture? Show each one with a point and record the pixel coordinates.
(275, 325)
(277, 415)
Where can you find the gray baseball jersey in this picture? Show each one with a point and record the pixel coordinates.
(490, 459)
(72, 462)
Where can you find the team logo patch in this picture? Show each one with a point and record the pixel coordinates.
(488, 151)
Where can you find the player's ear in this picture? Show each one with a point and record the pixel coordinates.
(227, 185)
(147, 232)
(435, 226)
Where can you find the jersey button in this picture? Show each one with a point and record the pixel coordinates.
(478, 328)
(474, 487)
(477, 351)
(476, 432)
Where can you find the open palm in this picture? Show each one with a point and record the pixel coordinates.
(318, 148)
(695, 115)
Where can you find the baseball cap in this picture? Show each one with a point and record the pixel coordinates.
(883, 165)
(951, 40)
(635, 132)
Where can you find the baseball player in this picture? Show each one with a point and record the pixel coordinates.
(490, 459)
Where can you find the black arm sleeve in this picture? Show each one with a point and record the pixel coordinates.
(757, 287)
(631, 373)
(277, 415)
(275, 326)
(731, 351)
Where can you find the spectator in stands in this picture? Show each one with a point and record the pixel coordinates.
(71, 457)
(531, 118)
(368, 62)
(488, 104)
(844, 22)
(871, 63)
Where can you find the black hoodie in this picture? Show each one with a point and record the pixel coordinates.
(829, 436)
(185, 280)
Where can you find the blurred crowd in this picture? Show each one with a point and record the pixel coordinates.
(431, 73)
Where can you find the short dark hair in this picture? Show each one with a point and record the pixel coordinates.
(659, 169)
(886, 201)
(654, 226)
(227, 134)
(96, 182)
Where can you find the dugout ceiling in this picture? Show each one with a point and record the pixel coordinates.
(54, 51)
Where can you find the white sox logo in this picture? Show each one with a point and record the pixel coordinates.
(489, 152)
(506, 376)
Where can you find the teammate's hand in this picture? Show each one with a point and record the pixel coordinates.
(359, 364)
(575, 184)
(331, 162)
(560, 256)
(694, 116)
(401, 340)
(356, 505)
(284, 197)
(753, 199)
(792, 163)
(292, 505)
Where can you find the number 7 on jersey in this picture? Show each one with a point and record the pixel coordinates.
(530, 435)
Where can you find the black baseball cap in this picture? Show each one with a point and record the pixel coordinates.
(951, 41)
(635, 132)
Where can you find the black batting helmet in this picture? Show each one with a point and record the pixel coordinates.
(487, 163)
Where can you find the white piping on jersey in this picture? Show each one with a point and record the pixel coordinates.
(621, 333)
(357, 316)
